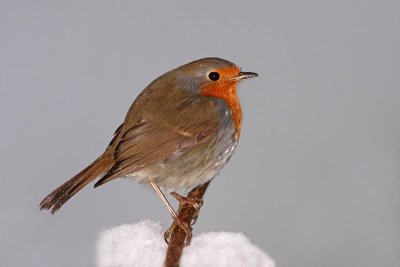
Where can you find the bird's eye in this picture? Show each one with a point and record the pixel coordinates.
(213, 76)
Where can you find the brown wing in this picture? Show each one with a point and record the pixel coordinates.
(150, 141)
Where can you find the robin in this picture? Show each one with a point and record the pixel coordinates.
(178, 134)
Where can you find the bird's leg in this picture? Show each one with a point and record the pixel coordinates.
(193, 202)
(187, 228)
(164, 199)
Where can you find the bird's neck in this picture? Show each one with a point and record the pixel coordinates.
(228, 93)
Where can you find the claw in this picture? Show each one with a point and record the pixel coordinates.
(185, 227)
(168, 233)
(193, 202)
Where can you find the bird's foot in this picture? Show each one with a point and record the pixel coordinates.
(195, 203)
(184, 226)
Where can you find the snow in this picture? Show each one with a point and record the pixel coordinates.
(142, 244)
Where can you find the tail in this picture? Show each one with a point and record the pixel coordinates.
(58, 197)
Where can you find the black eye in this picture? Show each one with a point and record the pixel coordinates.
(213, 76)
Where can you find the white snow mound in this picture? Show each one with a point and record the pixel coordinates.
(142, 244)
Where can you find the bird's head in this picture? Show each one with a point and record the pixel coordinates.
(211, 76)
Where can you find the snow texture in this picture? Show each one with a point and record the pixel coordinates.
(142, 244)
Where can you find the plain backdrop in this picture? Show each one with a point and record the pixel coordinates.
(315, 180)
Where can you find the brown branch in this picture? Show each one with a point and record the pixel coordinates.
(186, 213)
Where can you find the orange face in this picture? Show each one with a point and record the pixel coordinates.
(225, 87)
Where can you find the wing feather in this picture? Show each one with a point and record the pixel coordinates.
(151, 141)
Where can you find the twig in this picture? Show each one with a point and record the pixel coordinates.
(185, 213)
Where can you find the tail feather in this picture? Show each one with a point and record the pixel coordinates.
(62, 194)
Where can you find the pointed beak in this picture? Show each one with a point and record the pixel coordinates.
(244, 75)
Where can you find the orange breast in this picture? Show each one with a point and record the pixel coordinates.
(227, 91)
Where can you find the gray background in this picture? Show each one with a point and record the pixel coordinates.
(315, 178)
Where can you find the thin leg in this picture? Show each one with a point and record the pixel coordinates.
(185, 227)
(164, 200)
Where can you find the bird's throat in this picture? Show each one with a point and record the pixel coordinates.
(228, 92)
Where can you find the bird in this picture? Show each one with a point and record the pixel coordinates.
(180, 131)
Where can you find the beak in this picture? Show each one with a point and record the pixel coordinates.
(244, 75)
